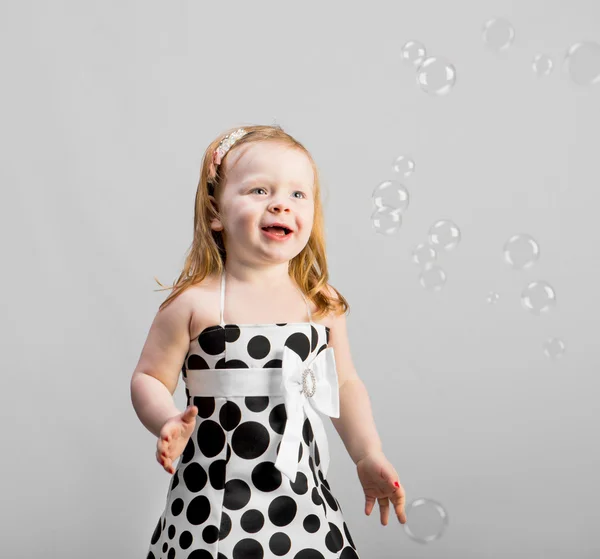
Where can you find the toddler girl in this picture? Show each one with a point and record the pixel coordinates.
(252, 477)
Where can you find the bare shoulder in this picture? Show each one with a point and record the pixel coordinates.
(167, 342)
(338, 340)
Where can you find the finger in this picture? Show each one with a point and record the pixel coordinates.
(384, 507)
(399, 501)
(369, 504)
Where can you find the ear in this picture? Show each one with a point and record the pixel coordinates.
(215, 223)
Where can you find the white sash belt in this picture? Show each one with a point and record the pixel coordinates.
(307, 388)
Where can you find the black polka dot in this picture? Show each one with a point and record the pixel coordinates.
(307, 432)
(205, 405)
(299, 342)
(185, 539)
(334, 540)
(176, 507)
(175, 477)
(194, 477)
(230, 415)
(329, 498)
(257, 403)
(216, 473)
(225, 526)
(300, 486)
(323, 480)
(212, 340)
(250, 440)
(210, 438)
(210, 534)
(278, 418)
(200, 554)
(348, 553)
(312, 469)
(156, 533)
(195, 362)
(188, 451)
(311, 523)
(280, 544)
(237, 494)
(282, 510)
(248, 549)
(266, 477)
(348, 536)
(259, 347)
(252, 521)
(309, 554)
(198, 510)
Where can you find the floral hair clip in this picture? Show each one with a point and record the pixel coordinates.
(225, 145)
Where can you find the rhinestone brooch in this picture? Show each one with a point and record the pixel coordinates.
(309, 393)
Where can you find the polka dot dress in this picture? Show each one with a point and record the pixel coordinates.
(227, 499)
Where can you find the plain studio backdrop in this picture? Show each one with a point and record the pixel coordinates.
(107, 108)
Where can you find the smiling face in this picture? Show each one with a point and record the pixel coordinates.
(266, 182)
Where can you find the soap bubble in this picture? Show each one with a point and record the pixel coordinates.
(423, 253)
(404, 165)
(498, 34)
(444, 234)
(542, 65)
(432, 277)
(554, 348)
(492, 297)
(538, 297)
(426, 520)
(386, 221)
(583, 63)
(436, 75)
(413, 52)
(521, 251)
(391, 194)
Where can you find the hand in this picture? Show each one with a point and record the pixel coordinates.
(174, 436)
(377, 477)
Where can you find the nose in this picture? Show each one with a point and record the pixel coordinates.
(280, 204)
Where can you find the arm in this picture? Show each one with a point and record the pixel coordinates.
(355, 425)
(156, 375)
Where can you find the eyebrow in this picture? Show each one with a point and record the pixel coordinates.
(258, 178)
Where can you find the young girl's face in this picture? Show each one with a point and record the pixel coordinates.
(266, 182)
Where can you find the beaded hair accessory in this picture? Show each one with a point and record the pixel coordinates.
(225, 145)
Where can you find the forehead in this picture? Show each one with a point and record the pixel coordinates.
(271, 160)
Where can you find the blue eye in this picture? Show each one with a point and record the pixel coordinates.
(261, 188)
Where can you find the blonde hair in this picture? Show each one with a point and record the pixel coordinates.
(207, 255)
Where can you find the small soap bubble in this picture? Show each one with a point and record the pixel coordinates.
(391, 194)
(583, 62)
(538, 297)
(423, 253)
(436, 75)
(498, 34)
(444, 234)
(542, 65)
(492, 297)
(404, 165)
(554, 348)
(521, 251)
(386, 221)
(413, 52)
(432, 277)
(426, 520)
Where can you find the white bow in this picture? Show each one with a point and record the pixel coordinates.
(307, 386)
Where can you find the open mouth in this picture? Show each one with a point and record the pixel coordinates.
(278, 231)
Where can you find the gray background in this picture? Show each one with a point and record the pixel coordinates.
(107, 109)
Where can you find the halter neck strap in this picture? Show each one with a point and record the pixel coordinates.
(223, 301)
